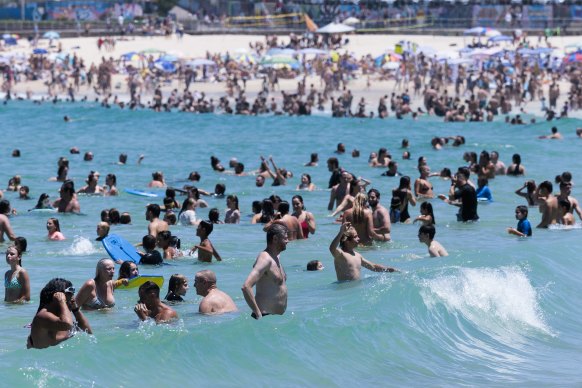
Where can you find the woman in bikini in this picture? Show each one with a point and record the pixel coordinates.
(422, 187)
(16, 280)
(305, 218)
(97, 293)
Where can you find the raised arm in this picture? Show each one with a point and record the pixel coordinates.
(61, 322)
(334, 246)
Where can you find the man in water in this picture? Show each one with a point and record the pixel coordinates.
(53, 322)
(68, 202)
(339, 191)
(153, 216)
(150, 305)
(463, 195)
(5, 227)
(555, 135)
(565, 191)
(548, 205)
(269, 277)
(426, 236)
(348, 263)
(380, 215)
(214, 300)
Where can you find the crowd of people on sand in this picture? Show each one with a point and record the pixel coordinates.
(363, 220)
(423, 83)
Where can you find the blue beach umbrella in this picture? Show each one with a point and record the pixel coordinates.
(168, 58)
(51, 35)
(165, 66)
(10, 42)
(501, 38)
(39, 51)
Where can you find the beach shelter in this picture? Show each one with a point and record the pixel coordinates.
(51, 35)
(335, 28)
(168, 58)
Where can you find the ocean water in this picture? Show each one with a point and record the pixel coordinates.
(499, 310)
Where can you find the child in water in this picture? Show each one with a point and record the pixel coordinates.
(205, 248)
(177, 288)
(523, 225)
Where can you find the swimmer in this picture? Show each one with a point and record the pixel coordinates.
(268, 276)
(5, 227)
(54, 230)
(23, 192)
(306, 183)
(548, 205)
(523, 225)
(566, 217)
(128, 270)
(102, 231)
(153, 216)
(315, 265)
(151, 255)
(205, 249)
(305, 218)
(555, 135)
(92, 186)
(426, 216)
(426, 235)
(177, 288)
(97, 293)
(531, 194)
(150, 305)
(168, 244)
(294, 229)
(314, 159)
(67, 203)
(16, 280)
(214, 301)
(232, 215)
(380, 215)
(110, 185)
(53, 323)
(157, 180)
(347, 261)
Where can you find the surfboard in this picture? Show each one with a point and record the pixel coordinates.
(120, 249)
(139, 280)
(141, 193)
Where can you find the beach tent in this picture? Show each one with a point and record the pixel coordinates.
(391, 65)
(51, 35)
(335, 28)
(351, 21)
(168, 58)
(167, 67)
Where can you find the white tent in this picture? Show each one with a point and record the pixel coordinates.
(351, 20)
(335, 28)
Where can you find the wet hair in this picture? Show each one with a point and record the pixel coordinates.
(148, 241)
(125, 218)
(207, 226)
(16, 153)
(404, 182)
(39, 203)
(100, 265)
(446, 173)
(157, 176)
(52, 287)
(68, 187)
(215, 163)
(114, 216)
(165, 235)
(522, 209)
(299, 198)
(124, 270)
(21, 243)
(171, 193)
(546, 185)
(213, 215)
(464, 171)
(565, 203)
(176, 281)
(4, 206)
(194, 176)
(284, 208)
(314, 158)
(312, 265)
(148, 287)
(276, 230)
(123, 158)
(257, 207)
(334, 162)
(55, 223)
(428, 229)
(516, 158)
(566, 176)
(375, 191)
(219, 189)
(233, 198)
(155, 209)
(267, 212)
(427, 206)
(307, 176)
(239, 168)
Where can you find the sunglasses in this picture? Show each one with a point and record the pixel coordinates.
(70, 290)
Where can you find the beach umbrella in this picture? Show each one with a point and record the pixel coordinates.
(8, 36)
(281, 51)
(391, 65)
(168, 58)
(39, 51)
(244, 59)
(4, 60)
(164, 66)
(500, 38)
(313, 51)
(51, 35)
(458, 61)
(351, 21)
(335, 28)
(280, 60)
(152, 51)
(131, 56)
(200, 62)
(10, 42)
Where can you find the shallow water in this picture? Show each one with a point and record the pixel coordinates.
(498, 310)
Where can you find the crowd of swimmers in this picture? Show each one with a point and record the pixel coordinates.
(362, 221)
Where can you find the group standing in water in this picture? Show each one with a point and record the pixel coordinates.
(362, 217)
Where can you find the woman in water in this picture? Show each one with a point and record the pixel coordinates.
(232, 215)
(305, 218)
(54, 230)
(44, 202)
(405, 195)
(177, 288)
(127, 271)
(422, 187)
(426, 216)
(110, 185)
(306, 183)
(16, 280)
(97, 293)
(515, 168)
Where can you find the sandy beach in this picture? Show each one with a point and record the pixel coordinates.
(196, 46)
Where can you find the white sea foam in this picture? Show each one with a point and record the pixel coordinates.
(81, 246)
(489, 297)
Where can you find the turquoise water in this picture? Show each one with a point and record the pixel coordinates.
(498, 310)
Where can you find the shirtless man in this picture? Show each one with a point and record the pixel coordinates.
(548, 205)
(565, 191)
(150, 305)
(205, 248)
(157, 180)
(5, 227)
(53, 322)
(214, 300)
(294, 230)
(380, 215)
(339, 191)
(499, 165)
(68, 202)
(153, 216)
(426, 236)
(555, 135)
(269, 277)
(92, 186)
(348, 263)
